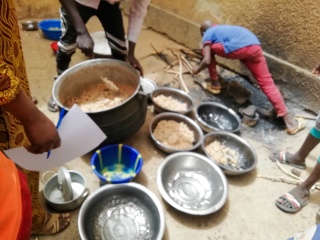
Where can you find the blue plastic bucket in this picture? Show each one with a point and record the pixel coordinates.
(116, 163)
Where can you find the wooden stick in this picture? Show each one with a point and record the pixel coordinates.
(187, 63)
(286, 172)
(289, 181)
(305, 116)
(281, 179)
(180, 76)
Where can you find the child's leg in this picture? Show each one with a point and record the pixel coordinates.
(216, 49)
(257, 65)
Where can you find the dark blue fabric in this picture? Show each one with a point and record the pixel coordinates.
(232, 37)
(313, 230)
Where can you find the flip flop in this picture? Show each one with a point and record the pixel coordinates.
(291, 203)
(280, 156)
(214, 90)
(301, 125)
(53, 225)
(249, 111)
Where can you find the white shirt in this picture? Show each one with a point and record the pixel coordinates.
(137, 12)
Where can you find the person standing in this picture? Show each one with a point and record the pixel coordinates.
(21, 122)
(74, 16)
(236, 42)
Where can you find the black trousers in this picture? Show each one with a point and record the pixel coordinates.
(110, 17)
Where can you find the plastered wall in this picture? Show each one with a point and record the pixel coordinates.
(288, 31)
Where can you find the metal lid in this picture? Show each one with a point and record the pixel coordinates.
(64, 181)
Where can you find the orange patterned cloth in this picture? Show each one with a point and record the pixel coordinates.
(10, 195)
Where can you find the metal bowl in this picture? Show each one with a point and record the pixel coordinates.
(55, 191)
(29, 25)
(176, 94)
(247, 157)
(192, 183)
(123, 211)
(217, 117)
(177, 118)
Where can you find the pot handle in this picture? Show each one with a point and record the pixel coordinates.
(85, 193)
(45, 174)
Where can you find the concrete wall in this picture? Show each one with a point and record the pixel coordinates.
(288, 31)
(34, 9)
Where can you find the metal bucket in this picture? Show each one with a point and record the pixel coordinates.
(118, 122)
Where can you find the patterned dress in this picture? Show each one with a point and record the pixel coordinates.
(13, 79)
(13, 76)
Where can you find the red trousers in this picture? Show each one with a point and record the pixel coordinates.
(252, 57)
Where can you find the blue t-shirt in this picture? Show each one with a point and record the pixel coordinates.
(231, 37)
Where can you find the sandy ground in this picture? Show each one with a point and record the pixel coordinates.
(249, 213)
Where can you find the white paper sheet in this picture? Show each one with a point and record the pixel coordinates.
(79, 134)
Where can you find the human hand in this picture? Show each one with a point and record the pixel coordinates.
(316, 70)
(135, 63)
(195, 70)
(86, 44)
(42, 135)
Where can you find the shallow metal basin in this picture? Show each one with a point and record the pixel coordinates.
(176, 94)
(213, 116)
(178, 118)
(124, 211)
(192, 183)
(247, 159)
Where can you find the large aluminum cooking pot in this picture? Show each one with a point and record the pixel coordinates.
(118, 122)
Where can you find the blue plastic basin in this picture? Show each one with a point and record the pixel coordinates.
(51, 29)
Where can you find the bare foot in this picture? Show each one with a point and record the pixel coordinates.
(52, 223)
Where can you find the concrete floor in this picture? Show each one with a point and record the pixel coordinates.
(250, 212)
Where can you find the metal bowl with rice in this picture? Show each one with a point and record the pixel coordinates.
(176, 129)
(230, 152)
(192, 183)
(167, 99)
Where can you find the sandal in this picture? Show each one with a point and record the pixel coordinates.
(54, 223)
(301, 126)
(290, 203)
(52, 105)
(208, 87)
(280, 156)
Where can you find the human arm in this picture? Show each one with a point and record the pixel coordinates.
(137, 13)
(131, 58)
(316, 70)
(40, 131)
(84, 40)
(205, 62)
